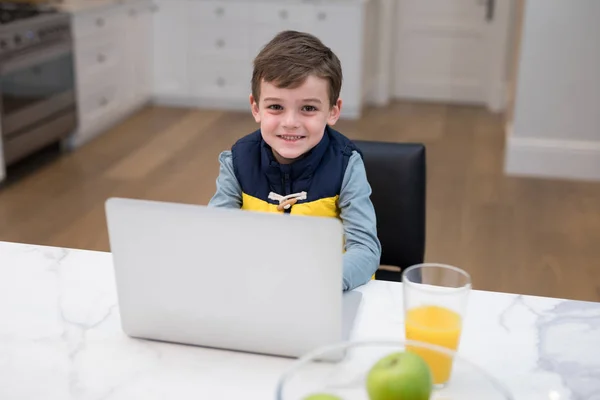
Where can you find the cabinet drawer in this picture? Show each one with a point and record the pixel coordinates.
(286, 16)
(325, 22)
(339, 14)
(100, 24)
(95, 58)
(136, 9)
(226, 78)
(171, 49)
(98, 105)
(260, 35)
(218, 40)
(219, 11)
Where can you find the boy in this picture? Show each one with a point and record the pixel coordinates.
(296, 163)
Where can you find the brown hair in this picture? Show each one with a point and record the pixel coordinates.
(291, 57)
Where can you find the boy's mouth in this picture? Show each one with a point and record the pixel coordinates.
(290, 138)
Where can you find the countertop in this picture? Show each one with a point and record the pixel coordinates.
(61, 338)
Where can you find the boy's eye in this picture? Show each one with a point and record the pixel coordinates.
(309, 108)
(275, 107)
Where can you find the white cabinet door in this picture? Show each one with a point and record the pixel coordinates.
(171, 48)
(270, 18)
(441, 50)
(140, 50)
(130, 44)
(102, 66)
(221, 79)
(219, 55)
(146, 66)
(346, 43)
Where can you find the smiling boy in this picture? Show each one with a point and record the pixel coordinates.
(296, 163)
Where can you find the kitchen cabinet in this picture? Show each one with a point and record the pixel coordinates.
(113, 57)
(199, 53)
(170, 50)
(219, 53)
(138, 54)
(203, 49)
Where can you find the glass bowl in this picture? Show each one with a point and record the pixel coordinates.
(341, 370)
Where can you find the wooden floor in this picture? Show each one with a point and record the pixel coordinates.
(529, 236)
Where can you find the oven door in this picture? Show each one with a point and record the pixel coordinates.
(37, 98)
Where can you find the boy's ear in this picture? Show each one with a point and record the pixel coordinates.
(334, 112)
(254, 108)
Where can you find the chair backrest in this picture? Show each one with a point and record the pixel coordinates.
(397, 175)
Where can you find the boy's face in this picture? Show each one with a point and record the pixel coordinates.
(292, 121)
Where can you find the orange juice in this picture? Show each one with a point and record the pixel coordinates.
(435, 325)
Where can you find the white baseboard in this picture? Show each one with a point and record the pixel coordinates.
(441, 92)
(469, 94)
(550, 158)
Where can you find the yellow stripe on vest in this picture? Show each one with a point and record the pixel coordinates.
(325, 207)
(255, 204)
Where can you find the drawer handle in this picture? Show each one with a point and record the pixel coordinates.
(219, 11)
(283, 14)
(321, 16)
(220, 43)
(100, 22)
(220, 82)
(132, 13)
(103, 102)
(101, 58)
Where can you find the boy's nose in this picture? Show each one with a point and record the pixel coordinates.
(290, 120)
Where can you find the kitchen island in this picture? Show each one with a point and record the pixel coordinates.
(61, 338)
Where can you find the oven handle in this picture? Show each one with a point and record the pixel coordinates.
(32, 58)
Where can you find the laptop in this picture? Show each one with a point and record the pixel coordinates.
(229, 279)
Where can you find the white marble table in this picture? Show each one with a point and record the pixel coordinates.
(60, 338)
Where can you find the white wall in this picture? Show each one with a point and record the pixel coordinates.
(556, 126)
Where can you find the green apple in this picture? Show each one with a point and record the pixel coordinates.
(322, 396)
(400, 376)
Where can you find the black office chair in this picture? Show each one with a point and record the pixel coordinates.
(397, 174)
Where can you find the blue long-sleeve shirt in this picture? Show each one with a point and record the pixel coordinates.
(363, 249)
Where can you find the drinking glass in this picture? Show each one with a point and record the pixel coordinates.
(435, 298)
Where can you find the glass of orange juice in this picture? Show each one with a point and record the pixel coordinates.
(435, 298)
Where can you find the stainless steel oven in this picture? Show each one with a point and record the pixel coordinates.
(37, 83)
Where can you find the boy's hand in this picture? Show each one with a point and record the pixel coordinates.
(284, 205)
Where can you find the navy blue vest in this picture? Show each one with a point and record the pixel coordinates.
(319, 172)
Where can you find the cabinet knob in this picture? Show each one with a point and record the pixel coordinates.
(220, 82)
(100, 22)
(132, 13)
(103, 101)
(101, 58)
(283, 14)
(219, 11)
(153, 8)
(321, 16)
(220, 43)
